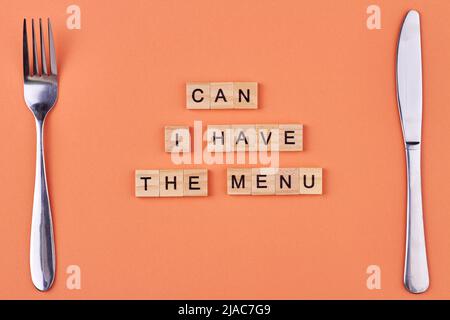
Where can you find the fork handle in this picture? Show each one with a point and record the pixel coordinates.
(42, 247)
(416, 278)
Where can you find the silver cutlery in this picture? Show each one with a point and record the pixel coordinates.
(40, 93)
(409, 96)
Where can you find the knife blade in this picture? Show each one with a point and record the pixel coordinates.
(409, 78)
(409, 98)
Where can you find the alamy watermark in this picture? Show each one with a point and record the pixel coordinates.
(227, 145)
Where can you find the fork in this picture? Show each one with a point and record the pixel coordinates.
(40, 93)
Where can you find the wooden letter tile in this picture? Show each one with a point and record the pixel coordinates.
(287, 181)
(195, 182)
(310, 180)
(245, 95)
(239, 181)
(263, 181)
(197, 96)
(219, 138)
(147, 183)
(291, 137)
(221, 95)
(171, 183)
(177, 139)
(268, 137)
(244, 138)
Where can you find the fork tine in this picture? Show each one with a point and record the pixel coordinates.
(52, 55)
(43, 60)
(35, 57)
(26, 60)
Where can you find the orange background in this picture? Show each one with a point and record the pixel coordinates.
(122, 79)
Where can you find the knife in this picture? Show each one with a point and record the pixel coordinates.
(409, 98)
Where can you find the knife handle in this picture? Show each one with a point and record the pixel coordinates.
(416, 278)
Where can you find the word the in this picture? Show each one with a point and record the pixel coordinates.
(222, 95)
(270, 181)
(171, 183)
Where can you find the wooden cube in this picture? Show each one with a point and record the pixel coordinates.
(245, 95)
(291, 137)
(239, 181)
(198, 96)
(268, 137)
(177, 139)
(195, 182)
(263, 181)
(147, 183)
(310, 180)
(287, 181)
(171, 183)
(221, 95)
(244, 138)
(219, 138)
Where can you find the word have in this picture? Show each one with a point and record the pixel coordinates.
(171, 183)
(222, 95)
(274, 181)
(229, 138)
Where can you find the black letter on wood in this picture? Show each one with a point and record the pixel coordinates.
(145, 181)
(235, 182)
(174, 182)
(246, 97)
(193, 95)
(193, 182)
(286, 182)
(258, 181)
(305, 184)
(220, 95)
(286, 137)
